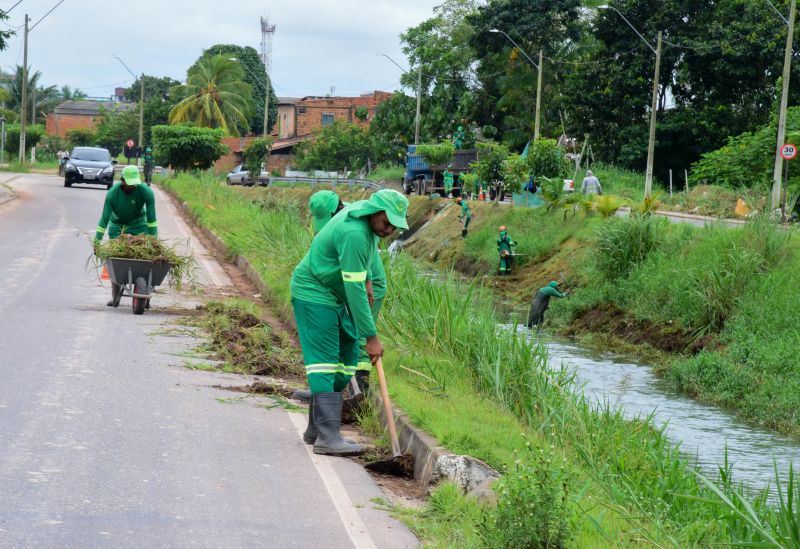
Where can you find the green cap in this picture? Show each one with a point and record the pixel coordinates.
(322, 206)
(394, 204)
(131, 175)
(553, 284)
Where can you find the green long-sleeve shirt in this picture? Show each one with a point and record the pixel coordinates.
(504, 243)
(551, 291)
(465, 211)
(136, 208)
(335, 268)
(377, 274)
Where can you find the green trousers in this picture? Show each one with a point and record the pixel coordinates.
(329, 341)
(505, 264)
(115, 230)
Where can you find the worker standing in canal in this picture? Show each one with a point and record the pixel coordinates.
(541, 302)
(130, 208)
(332, 310)
(504, 245)
(466, 215)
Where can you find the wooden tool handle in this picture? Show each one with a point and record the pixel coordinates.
(387, 408)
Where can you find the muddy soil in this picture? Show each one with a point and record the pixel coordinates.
(608, 319)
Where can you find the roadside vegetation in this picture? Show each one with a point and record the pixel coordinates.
(574, 474)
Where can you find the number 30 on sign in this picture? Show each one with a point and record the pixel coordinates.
(788, 151)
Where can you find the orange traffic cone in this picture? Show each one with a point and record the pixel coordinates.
(104, 273)
(482, 196)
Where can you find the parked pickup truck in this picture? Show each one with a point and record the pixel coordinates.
(419, 176)
(240, 176)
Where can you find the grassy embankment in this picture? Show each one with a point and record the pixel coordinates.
(579, 476)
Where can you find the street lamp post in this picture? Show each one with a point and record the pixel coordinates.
(651, 143)
(141, 106)
(538, 82)
(787, 67)
(417, 117)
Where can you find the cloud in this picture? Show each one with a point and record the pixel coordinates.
(317, 43)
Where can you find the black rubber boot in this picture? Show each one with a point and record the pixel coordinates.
(302, 394)
(310, 436)
(328, 419)
(463, 233)
(362, 378)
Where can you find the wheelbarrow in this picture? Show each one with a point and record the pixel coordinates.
(135, 278)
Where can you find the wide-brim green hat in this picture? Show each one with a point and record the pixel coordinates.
(131, 175)
(322, 206)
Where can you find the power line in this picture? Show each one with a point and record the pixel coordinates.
(45, 15)
(14, 6)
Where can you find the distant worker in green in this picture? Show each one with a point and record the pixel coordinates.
(466, 215)
(130, 208)
(332, 310)
(541, 302)
(148, 165)
(447, 178)
(458, 138)
(504, 245)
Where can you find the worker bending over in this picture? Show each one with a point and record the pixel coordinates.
(541, 302)
(332, 310)
(466, 215)
(130, 208)
(504, 245)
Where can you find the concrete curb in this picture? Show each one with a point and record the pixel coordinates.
(432, 461)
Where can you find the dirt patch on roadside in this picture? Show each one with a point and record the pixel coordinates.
(271, 387)
(608, 319)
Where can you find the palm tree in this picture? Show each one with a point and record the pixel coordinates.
(214, 96)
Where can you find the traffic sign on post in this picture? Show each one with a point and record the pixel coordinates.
(788, 151)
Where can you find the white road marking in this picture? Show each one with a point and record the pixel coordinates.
(344, 505)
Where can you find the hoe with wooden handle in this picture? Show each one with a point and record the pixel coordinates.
(398, 464)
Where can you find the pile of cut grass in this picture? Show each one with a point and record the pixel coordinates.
(148, 248)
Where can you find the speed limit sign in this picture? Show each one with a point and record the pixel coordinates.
(788, 151)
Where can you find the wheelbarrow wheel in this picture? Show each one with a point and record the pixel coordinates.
(116, 294)
(139, 287)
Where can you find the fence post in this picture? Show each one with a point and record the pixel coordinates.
(670, 183)
(686, 180)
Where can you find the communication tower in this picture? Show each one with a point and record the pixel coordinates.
(267, 32)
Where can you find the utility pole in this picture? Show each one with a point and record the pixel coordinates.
(787, 66)
(419, 100)
(23, 113)
(651, 143)
(141, 118)
(538, 98)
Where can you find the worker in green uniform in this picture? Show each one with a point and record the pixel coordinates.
(504, 244)
(130, 208)
(466, 215)
(331, 308)
(541, 302)
(447, 177)
(148, 165)
(458, 138)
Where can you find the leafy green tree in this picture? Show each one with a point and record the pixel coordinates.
(436, 155)
(256, 154)
(185, 147)
(154, 87)
(491, 163)
(69, 94)
(337, 146)
(547, 159)
(515, 173)
(214, 96)
(255, 74)
(32, 136)
(362, 113)
(116, 127)
(79, 137)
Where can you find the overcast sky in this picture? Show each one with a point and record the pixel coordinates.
(317, 43)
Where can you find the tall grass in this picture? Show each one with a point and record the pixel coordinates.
(622, 244)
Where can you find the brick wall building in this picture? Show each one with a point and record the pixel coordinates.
(298, 120)
(80, 114)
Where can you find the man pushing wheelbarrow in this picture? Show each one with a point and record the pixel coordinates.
(129, 208)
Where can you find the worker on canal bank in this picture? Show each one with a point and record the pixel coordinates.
(130, 208)
(447, 178)
(504, 245)
(332, 310)
(591, 185)
(541, 302)
(466, 215)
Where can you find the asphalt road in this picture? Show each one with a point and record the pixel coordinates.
(107, 441)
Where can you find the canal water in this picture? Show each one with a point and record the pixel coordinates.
(701, 430)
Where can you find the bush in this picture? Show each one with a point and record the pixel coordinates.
(256, 154)
(81, 137)
(32, 136)
(533, 505)
(546, 159)
(622, 244)
(185, 147)
(337, 146)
